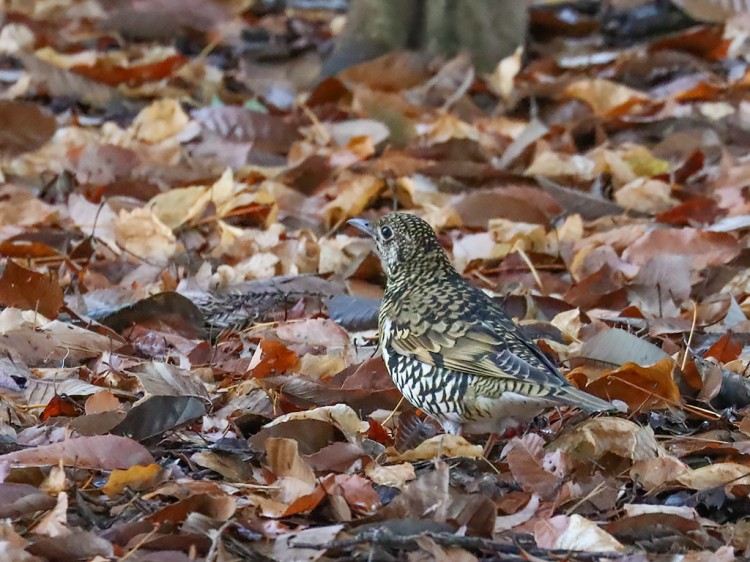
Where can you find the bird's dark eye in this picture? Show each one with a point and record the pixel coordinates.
(386, 233)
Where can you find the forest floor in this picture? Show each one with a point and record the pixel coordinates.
(189, 365)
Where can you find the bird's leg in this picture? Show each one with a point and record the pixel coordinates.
(508, 434)
(491, 442)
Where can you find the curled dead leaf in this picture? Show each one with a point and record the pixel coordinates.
(141, 233)
(353, 196)
(641, 388)
(704, 247)
(604, 96)
(574, 533)
(341, 416)
(654, 472)
(283, 460)
(394, 475)
(714, 475)
(592, 439)
(136, 478)
(446, 446)
(160, 120)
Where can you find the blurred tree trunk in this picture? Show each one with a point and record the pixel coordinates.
(489, 29)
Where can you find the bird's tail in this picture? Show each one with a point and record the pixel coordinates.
(585, 401)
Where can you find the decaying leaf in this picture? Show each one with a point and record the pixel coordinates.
(394, 475)
(445, 446)
(654, 472)
(136, 478)
(595, 438)
(715, 475)
(574, 533)
(24, 126)
(641, 388)
(141, 233)
(340, 416)
(106, 452)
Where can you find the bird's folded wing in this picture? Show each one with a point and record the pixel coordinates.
(476, 349)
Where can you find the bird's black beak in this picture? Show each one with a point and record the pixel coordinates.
(362, 225)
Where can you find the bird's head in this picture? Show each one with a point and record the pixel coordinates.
(402, 240)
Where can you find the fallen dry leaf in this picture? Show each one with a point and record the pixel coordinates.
(641, 388)
(604, 96)
(703, 247)
(394, 475)
(715, 475)
(654, 472)
(141, 233)
(105, 452)
(445, 446)
(102, 401)
(137, 478)
(574, 533)
(160, 120)
(592, 439)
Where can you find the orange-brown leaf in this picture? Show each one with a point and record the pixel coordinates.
(642, 388)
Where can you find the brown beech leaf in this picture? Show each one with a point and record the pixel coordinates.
(59, 406)
(445, 446)
(715, 475)
(283, 460)
(518, 203)
(271, 133)
(705, 41)
(274, 358)
(641, 388)
(19, 500)
(218, 506)
(592, 439)
(604, 96)
(30, 290)
(574, 533)
(524, 456)
(76, 544)
(353, 195)
(337, 457)
(655, 472)
(62, 82)
(602, 288)
(305, 503)
(105, 72)
(393, 475)
(727, 348)
(616, 347)
(24, 126)
(703, 247)
(695, 211)
(394, 71)
(357, 491)
(105, 452)
(169, 311)
(164, 379)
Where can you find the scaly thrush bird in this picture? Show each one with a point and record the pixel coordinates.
(450, 349)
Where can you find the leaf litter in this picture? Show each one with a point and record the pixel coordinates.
(189, 365)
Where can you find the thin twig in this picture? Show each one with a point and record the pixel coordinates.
(533, 270)
(690, 337)
(386, 538)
